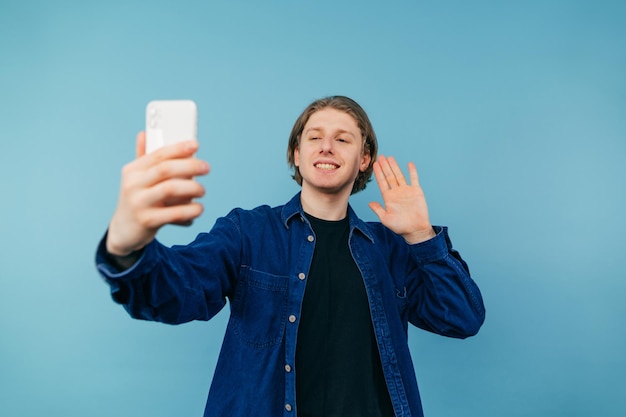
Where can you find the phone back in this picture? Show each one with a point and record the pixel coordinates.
(170, 121)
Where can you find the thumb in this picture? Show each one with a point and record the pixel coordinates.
(140, 147)
(377, 208)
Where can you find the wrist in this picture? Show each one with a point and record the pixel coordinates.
(120, 256)
(419, 236)
(124, 262)
(117, 250)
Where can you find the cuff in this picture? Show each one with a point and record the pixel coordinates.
(107, 266)
(432, 249)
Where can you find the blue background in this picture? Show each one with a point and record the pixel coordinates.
(514, 112)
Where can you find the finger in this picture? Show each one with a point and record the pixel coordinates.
(413, 174)
(175, 168)
(181, 214)
(389, 174)
(397, 172)
(171, 191)
(377, 209)
(178, 150)
(140, 146)
(380, 178)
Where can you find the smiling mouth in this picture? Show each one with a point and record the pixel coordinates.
(327, 167)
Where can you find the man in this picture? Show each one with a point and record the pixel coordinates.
(320, 300)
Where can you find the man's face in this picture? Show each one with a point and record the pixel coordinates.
(330, 154)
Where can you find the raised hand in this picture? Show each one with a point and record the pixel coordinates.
(405, 211)
(156, 189)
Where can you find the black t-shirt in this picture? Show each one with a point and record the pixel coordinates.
(338, 369)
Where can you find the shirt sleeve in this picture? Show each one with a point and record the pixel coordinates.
(443, 298)
(178, 284)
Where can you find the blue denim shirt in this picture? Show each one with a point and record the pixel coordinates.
(259, 260)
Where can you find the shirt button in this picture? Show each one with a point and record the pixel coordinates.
(301, 276)
(288, 368)
(292, 319)
(288, 407)
(310, 238)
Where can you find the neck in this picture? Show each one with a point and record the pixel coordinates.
(324, 206)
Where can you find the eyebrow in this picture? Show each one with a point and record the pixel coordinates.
(340, 131)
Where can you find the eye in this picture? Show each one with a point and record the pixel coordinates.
(342, 140)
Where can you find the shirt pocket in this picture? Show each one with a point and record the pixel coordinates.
(259, 308)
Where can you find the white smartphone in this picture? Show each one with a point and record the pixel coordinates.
(170, 121)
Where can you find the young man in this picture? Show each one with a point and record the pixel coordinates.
(320, 300)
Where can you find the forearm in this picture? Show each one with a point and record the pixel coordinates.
(445, 299)
(175, 284)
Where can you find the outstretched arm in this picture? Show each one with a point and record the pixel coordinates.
(156, 189)
(405, 211)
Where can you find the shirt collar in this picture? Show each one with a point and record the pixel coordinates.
(294, 208)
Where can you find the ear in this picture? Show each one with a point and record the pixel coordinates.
(365, 161)
(296, 157)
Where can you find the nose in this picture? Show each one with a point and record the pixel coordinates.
(326, 145)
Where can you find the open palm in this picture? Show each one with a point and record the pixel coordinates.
(405, 211)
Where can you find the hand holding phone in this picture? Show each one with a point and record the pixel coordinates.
(170, 121)
(158, 191)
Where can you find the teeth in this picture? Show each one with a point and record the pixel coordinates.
(326, 166)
